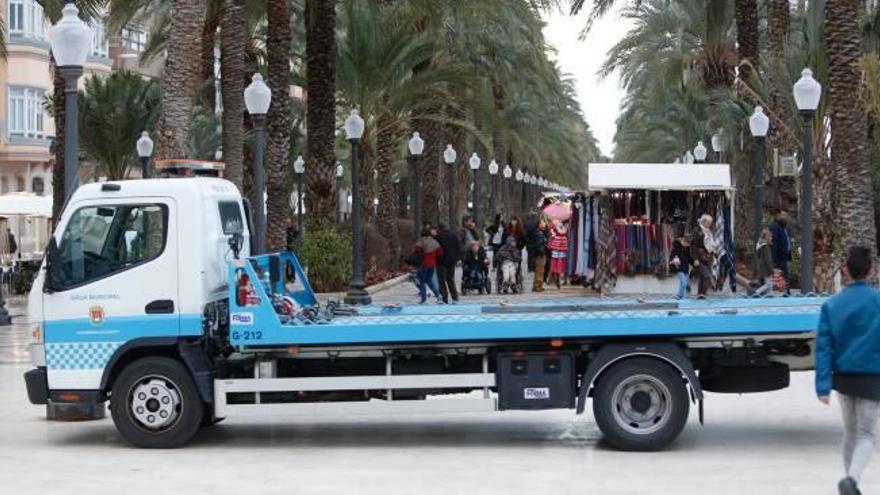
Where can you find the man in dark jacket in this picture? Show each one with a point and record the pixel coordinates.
(781, 247)
(446, 267)
(847, 346)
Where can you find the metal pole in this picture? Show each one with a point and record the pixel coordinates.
(145, 164)
(453, 186)
(807, 206)
(506, 197)
(356, 293)
(758, 189)
(416, 196)
(494, 201)
(257, 201)
(522, 200)
(71, 75)
(338, 201)
(477, 200)
(299, 205)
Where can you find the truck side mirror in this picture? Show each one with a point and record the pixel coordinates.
(235, 242)
(50, 284)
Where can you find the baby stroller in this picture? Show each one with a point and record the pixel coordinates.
(505, 287)
(475, 275)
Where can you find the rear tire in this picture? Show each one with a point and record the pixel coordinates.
(640, 404)
(155, 404)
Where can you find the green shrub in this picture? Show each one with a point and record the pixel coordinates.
(326, 251)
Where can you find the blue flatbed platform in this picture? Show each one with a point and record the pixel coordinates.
(571, 319)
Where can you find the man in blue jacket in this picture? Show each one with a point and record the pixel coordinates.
(848, 361)
(781, 247)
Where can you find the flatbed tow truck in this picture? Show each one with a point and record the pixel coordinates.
(149, 299)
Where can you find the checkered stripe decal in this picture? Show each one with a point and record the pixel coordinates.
(80, 355)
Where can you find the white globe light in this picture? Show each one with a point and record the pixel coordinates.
(416, 145)
(759, 123)
(354, 125)
(340, 170)
(519, 175)
(257, 96)
(507, 171)
(474, 162)
(807, 91)
(70, 38)
(700, 151)
(299, 165)
(449, 155)
(493, 167)
(718, 142)
(144, 145)
(688, 157)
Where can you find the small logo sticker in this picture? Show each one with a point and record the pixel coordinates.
(242, 319)
(96, 315)
(542, 393)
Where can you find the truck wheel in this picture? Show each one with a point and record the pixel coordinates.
(155, 404)
(640, 404)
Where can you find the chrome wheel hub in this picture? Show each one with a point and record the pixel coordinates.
(641, 404)
(155, 403)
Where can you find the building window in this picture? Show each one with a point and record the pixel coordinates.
(25, 112)
(19, 184)
(134, 39)
(37, 186)
(99, 39)
(25, 19)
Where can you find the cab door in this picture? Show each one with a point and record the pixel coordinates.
(112, 280)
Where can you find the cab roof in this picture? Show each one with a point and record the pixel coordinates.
(172, 187)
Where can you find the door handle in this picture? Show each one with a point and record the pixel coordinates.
(160, 306)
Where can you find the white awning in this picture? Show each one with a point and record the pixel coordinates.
(26, 204)
(659, 176)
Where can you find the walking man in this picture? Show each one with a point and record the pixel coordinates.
(847, 346)
(781, 247)
(446, 267)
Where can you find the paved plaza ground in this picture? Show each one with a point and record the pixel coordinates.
(774, 443)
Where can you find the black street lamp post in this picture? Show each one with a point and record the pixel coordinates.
(357, 294)
(340, 171)
(257, 98)
(508, 173)
(759, 125)
(449, 156)
(144, 148)
(299, 168)
(493, 179)
(416, 146)
(807, 93)
(474, 163)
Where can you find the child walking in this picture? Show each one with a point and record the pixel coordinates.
(558, 246)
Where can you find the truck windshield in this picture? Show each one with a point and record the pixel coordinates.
(102, 240)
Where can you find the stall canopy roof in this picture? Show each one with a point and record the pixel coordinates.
(659, 176)
(26, 204)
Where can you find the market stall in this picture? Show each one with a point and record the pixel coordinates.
(27, 217)
(651, 205)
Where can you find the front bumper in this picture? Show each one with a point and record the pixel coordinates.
(37, 386)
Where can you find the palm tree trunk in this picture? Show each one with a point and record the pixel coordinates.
(824, 264)
(232, 41)
(321, 109)
(58, 168)
(386, 137)
(455, 136)
(181, 75)
(849, 154)
(746, 16)
(367, 158)
(783, 189)
(278, 47)
(432, 132)
(209, 95)
(499, 145)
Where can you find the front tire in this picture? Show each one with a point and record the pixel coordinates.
(640, 404)
(155, 404)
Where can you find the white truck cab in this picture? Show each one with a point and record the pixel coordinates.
(130, 261)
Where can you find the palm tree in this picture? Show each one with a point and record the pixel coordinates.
(180, 78)
(747, 37)
(849, 153)
(113, 113)
(321, 108)
(232, 71)
(278, 49)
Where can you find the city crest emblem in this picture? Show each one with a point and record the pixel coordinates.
(96, 315)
